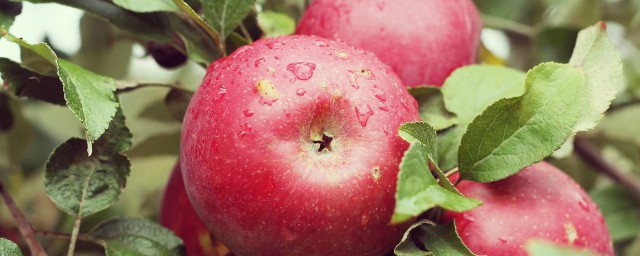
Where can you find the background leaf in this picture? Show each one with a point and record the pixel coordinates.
(226, 15)
(8, 12)
(25, 83)
(8, 248)
(137, 236)
(439, 240)
(620, 210)
(275, 24)
(493, 148)
(599, 59)
(431, 107)
(147, 5)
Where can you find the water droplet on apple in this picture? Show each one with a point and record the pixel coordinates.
(404, 103)
(383, 107)
(220, 93)
(302, 70)
(248, 112)
(244, 129)
(380, 6)
(300, 92)
(583, 204)
(259, 62)
(503, 239)
(364, 112)
(468, 217)
(364, 219)
(386, 130)
(321, 43)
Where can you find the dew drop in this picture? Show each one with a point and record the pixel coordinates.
(321, 43)
(364, 112)
(248, 112)
(259, 62)
(302, 70)
(404, 103)
(300, 92)
(220, 93)
(583, 204)
(386, 130)
(502, 239)
(380, 6)
(244, 129)
(383, 107)
(364, 220)
(468, 217)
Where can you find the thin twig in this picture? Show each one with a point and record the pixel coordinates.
(213, 35)
(124, 86)
(23, 225)
(74, 235)
(591, 155)
(245, 33)
(508, 25)
(66, 236)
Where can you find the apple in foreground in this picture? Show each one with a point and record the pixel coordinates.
(423, 41)
(177, 214)
(538, 202)
(289, 147)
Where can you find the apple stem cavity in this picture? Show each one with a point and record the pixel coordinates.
(324, 143)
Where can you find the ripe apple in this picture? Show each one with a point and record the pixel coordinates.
(177, 214)
(423, 41)
(538, 202)
(289, 147)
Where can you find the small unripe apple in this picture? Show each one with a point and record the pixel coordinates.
(538, 202)
(423, 41)
(289, 147)
(177, 214)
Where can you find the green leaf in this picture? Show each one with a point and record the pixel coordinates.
(470, 90)
(576, 13)
(148, 5)
(82, 185)
(8, 248)
(621, 212)
(161, 144)
(225, 15)
(25, 83)
(438, 240)
(8, 13)
(493, 148)
(418, 191)
(275, 24)
(136, 236)
(596, 55)
(177, 101)
(420, 132)
(18, 141)
(89, 96)
(467, 93)
(431, 107)
(538, 247)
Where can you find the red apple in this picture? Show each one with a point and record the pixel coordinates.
(177, 214)
(538, 202)
(289, 147)
(423, 41)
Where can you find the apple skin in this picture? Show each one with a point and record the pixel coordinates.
(252, 170)
(177, 214)
(423, 41)
(538, 202)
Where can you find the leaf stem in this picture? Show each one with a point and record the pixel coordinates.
(245, 33)
(23, 225)
(124, 86)
(74, 235)
(591, 155)
(195, 17)
(508, 25)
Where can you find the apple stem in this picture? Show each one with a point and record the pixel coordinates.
(23, 225)
(324, 143)
(591, 155)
